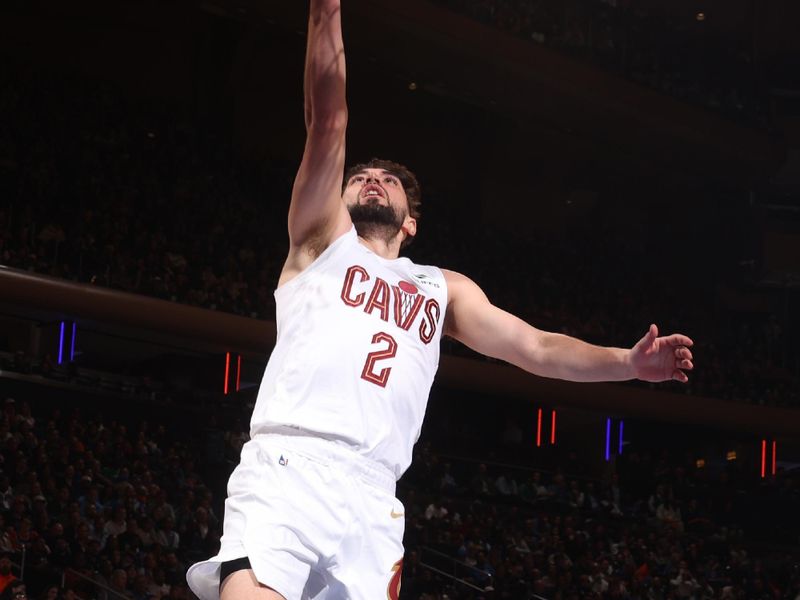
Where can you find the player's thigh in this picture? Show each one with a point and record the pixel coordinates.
(242, 585)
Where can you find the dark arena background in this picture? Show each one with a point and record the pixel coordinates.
(595, 165)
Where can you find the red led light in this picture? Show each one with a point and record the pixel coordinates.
(238, 371)
(227, 371)
(539, 429)
(763, 458)
(774, 452)
(553, 429)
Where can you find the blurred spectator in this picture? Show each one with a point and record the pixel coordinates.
(6, 576)
(15, 590)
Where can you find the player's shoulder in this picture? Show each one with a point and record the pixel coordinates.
(461, 288)
(454, 276)
(308, 258)
(456, 279)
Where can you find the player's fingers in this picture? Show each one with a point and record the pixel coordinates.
(647, 339)
(684, 364)
(678, 339)
(683, 352)
(680, 376)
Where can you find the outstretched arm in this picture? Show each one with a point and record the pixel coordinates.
(317, 214)
(476, 322)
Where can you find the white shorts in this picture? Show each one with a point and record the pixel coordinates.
(316, 520)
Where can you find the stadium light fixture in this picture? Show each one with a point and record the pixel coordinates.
(227, 372)
(61, 344)
(774, 453)
(539, 428)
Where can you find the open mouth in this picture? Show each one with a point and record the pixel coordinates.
(372, 191)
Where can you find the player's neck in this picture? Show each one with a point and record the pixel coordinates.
(388, 250)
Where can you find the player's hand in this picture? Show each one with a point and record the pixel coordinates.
(662, 358)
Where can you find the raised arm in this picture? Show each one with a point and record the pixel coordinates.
(476, 322)
(317, 214)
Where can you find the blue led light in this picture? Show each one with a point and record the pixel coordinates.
(61, 345)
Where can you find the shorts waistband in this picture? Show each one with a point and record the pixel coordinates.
(335, 455)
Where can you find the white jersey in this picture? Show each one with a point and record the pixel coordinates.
(357, 350)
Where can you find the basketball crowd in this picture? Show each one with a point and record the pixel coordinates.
(99, 188)
(100, 507)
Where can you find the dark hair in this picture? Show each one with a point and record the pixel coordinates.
(406, 177)
(9, 591)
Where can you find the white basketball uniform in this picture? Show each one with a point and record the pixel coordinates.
(341, 404)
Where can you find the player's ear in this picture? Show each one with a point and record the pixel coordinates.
(409, 227)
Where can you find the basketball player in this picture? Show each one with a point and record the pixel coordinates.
(311, 510)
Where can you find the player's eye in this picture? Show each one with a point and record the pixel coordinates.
(357, 179)
(392, 180)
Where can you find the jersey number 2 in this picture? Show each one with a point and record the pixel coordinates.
(381, 377)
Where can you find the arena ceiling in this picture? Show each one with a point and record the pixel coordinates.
(765, 27)
(564, 105)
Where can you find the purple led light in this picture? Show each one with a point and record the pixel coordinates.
(621, 422)
(72, 343)
(61, 345)
(608, 438)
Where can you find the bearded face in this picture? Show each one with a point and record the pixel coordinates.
(376, 221)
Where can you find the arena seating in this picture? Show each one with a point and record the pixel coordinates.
(88, 197)
(119, 506)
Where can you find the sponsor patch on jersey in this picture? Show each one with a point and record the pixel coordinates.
(283, 461)
(425, 280)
